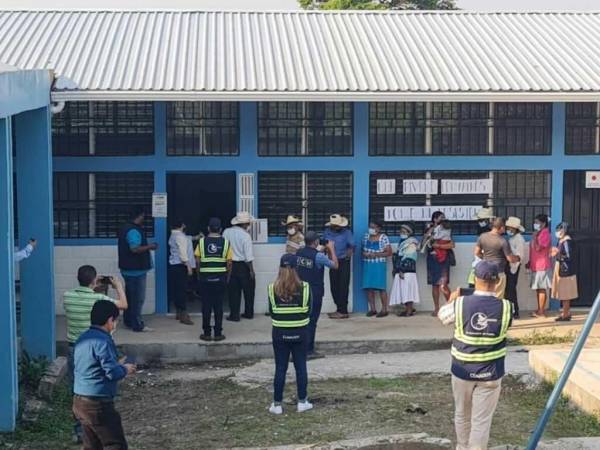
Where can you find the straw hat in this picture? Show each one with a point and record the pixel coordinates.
(514, 222)
(408, 227)
(338, 220)
(291, 220)
(484, 213)
(241, 218)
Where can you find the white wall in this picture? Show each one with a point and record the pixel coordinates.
(67, 260)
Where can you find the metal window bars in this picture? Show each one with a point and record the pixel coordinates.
(582, 131)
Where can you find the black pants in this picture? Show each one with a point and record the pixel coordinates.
(339, 281)
(212, 293)
(178, 281)
(102, 427)
(285, 343)
(239, 282)
(510, 293)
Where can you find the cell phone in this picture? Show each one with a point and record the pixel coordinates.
(466, 291)
(105, 279)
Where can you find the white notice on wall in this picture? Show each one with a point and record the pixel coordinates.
(423, 213)
(478, 186)
(386, 187)
(159, 204)
(419, 186)
(592, 179)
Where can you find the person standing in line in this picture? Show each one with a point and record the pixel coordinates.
(290, 308)
(405, 289)
(180, 268)
(376, 251)
(483, 218)
(214, 262)
(311, 268)
(564, 279)
(135, 261)
(517, 246)
(25, 252)
(339, 279)
(492, 246)
(295, 238)
(97, 373)
(242, 278)
(478, 352)
(540, 265)
(78, 304)
(437, 241)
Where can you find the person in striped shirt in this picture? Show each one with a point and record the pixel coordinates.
(78, 304)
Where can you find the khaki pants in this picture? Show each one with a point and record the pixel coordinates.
(501, 286)
(474, 406)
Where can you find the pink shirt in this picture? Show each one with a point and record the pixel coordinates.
(539, 252)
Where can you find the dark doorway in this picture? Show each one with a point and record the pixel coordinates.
(195, 198)
(581, 208)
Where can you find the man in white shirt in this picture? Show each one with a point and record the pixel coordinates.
(242, 273)
(180, 268)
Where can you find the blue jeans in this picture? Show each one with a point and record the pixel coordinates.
(286, 342)
(315, 312)
(135, 290)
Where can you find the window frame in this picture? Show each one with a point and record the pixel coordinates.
(591, 123)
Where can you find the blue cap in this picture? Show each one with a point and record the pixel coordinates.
(487, 271)
(288, 260)
(214, 223)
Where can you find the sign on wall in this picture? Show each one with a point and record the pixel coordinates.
(159, 204)
(478, 186)
(423, 213)
(419, 186)
(592, 179)
(386, 187)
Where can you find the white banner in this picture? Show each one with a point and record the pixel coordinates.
(423, 213)
(419, 186)
(479, 186)
(386, 187)
(159, 204)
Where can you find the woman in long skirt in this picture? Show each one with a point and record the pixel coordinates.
(405, 289)
(564, 279)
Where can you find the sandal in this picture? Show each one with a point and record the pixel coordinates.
(371, 313)
(402, 314)
(382, 314)
(563, 319)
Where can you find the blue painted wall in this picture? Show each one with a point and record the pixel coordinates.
(360, 164)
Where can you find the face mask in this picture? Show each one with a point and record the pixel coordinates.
(404, 236)
(537, 226)
(372, 231)
(482, 223)
(510, 233)
(291, 231)
(558, 234)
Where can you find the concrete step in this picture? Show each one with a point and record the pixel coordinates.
(583, 386)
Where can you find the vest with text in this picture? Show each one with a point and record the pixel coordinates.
(292, 313)
(308, 271)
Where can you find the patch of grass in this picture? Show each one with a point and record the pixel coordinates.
(544, 337)
(31, 371)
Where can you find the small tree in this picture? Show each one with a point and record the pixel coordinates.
(378, 4)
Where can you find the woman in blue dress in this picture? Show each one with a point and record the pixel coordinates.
(376, 250)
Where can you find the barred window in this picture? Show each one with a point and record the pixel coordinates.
(522, 128)
(305, 129)
(459, 128)
(104, 129)
(314, 196)
(203, 128)
(96, 205)
(523, 194)
(397, 128)
(582, 129)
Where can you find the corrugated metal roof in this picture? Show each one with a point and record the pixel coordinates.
(320, 55)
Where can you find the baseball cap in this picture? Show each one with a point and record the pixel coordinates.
(310, 237)
(487, 270)
(288, 260)
(214, 223)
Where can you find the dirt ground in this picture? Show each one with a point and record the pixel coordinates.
(162, 412)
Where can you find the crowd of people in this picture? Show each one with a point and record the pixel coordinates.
(223, 261)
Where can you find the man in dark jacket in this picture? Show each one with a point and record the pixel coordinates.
(135, 261)
(97, 373)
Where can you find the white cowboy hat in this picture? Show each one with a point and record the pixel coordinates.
(241, 218)
(338, 220)
(515, 222)
(291, 220)
(484, 213)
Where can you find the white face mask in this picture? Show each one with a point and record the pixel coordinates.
(291, 231)
(372, 231)
(482, 223)
(403, 236)
(558, 235)
(537, 226)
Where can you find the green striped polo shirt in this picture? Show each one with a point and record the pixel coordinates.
(78, 305)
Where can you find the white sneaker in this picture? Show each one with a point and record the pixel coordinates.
(147, 329)
(276, 409)
(304, 406)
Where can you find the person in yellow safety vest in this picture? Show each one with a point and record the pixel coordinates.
(290, 304)
(214, 257)
(481, 323)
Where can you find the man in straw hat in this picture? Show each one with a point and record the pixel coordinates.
(514, 230)
(242, 277)
(295, 238)
(483, 218)
(339, 279)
